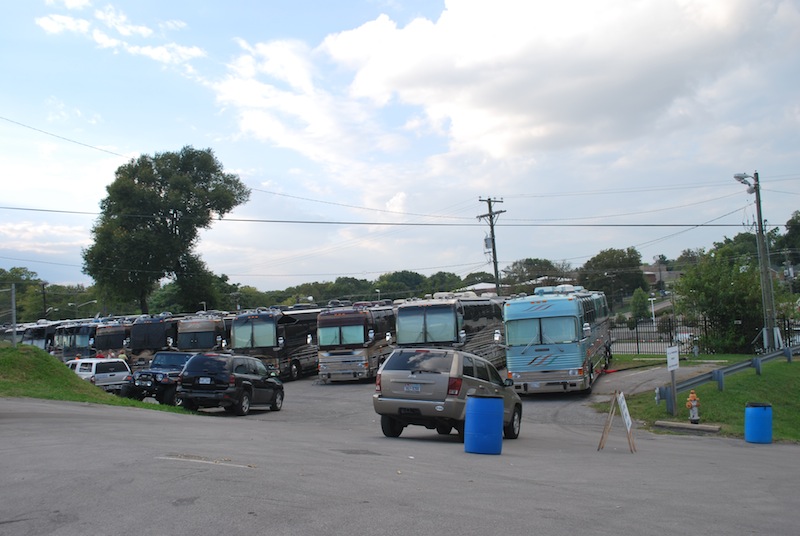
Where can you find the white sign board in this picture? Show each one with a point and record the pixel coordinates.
(672, 358)
(623, 410)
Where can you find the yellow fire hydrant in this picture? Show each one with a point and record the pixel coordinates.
(693, 403)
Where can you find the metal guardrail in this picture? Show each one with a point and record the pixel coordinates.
(718, 375)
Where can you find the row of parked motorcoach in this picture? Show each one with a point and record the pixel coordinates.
(553, 340)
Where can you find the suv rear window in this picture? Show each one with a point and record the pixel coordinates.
(207, 363)
(426, 360)
(105, 368)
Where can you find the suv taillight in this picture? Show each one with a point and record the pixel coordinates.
(231, 380)
(454, 386)
(378, 383)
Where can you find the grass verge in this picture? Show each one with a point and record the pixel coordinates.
(29, 372)
(778, 385)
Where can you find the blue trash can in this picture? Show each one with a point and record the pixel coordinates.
(483, 425)
(758, 422)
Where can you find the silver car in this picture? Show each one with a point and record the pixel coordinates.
(429, 387)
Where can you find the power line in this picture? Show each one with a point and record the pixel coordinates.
(61, 137)
(403, 224)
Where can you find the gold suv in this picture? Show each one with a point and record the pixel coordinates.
(429, 387)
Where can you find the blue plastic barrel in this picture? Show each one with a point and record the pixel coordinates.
(758, 422)
(483, 425)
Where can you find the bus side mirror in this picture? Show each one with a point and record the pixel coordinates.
(371, 335)
(309, 339)
(280, 342)
(497, 336)
(587, 329)
(389, 337)
(462, 336)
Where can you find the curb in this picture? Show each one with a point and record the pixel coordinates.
(688, 427)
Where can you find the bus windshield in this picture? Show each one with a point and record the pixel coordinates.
(559, 329)
(254, 332)
(426, 324)
(339, 335)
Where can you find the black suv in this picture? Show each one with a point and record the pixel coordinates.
(159, 379)
(234, 382)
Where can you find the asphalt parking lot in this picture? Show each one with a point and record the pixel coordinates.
(322, 466)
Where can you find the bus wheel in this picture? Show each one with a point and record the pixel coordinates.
(294, 370)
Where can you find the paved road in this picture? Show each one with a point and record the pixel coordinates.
(321, 466)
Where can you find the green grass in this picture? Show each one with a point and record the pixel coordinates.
(29, 372)
(778, 385)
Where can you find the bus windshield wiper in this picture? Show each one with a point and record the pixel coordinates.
(533, 340)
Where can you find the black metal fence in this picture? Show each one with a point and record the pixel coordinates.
(645, 337)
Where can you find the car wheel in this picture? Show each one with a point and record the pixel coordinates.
(168, 397)
(243, 406)
(460, 431)
(188, 404)
(277, 402)
(391, 427)
(443, 429)
(294, 370)
(511, 430)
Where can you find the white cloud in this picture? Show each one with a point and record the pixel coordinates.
(169, 53)
(119, 22)
(69, 4)
(512, 77)
(42, 238)
(104, 40)
(55, 24)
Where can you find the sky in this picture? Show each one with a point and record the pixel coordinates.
(373, 132)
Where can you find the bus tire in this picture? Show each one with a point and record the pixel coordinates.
(294, 370)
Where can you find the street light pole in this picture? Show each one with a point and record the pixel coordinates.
(653, 309)
(769, 336)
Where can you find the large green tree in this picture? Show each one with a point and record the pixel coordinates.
(151, 219)
(443, 282)
(617, 272)
(25, 282)
(526, 274)
(724, 287)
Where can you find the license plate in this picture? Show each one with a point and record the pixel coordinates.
(411, 388)
(141, 383)
(204, 381)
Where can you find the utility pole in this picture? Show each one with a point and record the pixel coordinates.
(491, 217)
(766, 278)
(771, 336)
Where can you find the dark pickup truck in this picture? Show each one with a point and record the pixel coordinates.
(158, 380)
